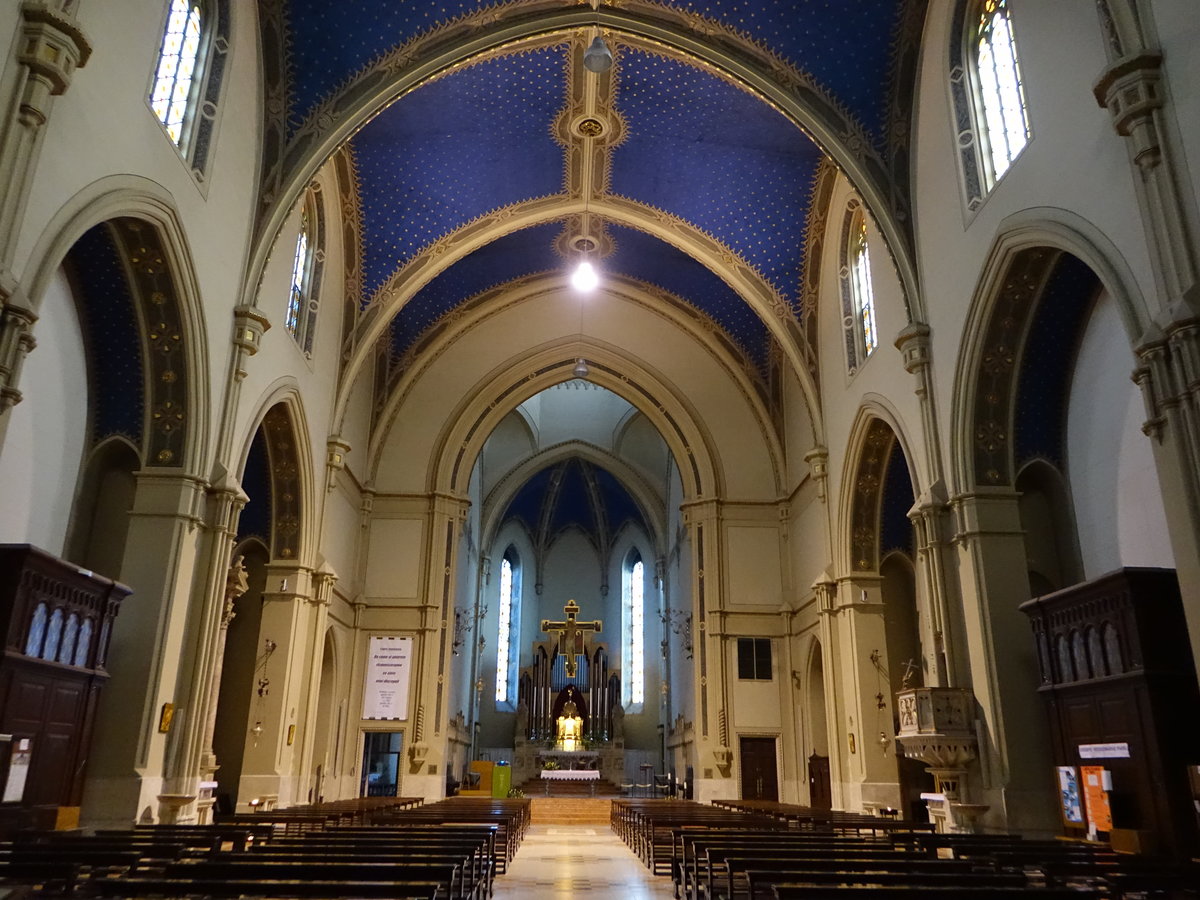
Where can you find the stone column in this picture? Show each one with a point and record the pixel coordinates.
(825, 590)
(865, 701)
(714, 754)
(1014, 745)
(51, 46)
(131, 756)
(282, 671)
(324, 579)
(1133, 90)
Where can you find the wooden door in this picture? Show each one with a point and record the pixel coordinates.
(759, 778)
(820, 793)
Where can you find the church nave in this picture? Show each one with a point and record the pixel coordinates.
(577, 860)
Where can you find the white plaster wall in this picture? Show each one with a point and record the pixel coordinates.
(1110, 463)
(41, 454)
(880, 381)
(105, 111)
(1061, 54)
(469, 365)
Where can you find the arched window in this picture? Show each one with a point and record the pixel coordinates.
(989, 98)
(509, 626)
(301, 317)
(1000, 91)
(186, 89)
(858, 296)
(633, 608)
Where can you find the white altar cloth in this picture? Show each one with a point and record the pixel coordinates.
(571, 774)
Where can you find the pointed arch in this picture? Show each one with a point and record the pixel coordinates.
(1006, 298)
(281, 420)
(874, 438)
(149, 235)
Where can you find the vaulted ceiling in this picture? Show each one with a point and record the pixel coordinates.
(480, 151)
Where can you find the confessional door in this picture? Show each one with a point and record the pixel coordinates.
(820, 791)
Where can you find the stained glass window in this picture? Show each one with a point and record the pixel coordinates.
(300, 277)
(307, 265)
(864, 296)
(172, 96)
(504, 630)
(1000, 91)
(634, 595)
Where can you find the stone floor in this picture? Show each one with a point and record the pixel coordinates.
(578, 860)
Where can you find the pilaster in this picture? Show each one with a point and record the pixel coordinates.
(203, 656)
(146, 658)
(281, 673)
(1014, 746)
(715, 776)
(865, 696)
(1133, 89)
(51, 47)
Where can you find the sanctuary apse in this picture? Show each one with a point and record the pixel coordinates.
(289, 347)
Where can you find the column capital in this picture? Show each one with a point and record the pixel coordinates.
(913, 342)
(53, 46)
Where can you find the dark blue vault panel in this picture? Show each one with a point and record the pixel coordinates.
(702, 149)
(454, 150)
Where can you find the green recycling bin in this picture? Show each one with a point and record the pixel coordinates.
(501, 779)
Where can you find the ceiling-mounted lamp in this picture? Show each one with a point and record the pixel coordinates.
(597, 57)
(585, 279)
(581, 368)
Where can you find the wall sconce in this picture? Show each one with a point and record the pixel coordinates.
(679, 621)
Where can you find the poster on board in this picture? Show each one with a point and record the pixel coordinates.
(1068, 793)
(389, 666)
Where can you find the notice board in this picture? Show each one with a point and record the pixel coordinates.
(389, 667)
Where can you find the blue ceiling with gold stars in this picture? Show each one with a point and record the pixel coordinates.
(482, 137)
(637, 255)
(845, 47)
(703, 150)
(110, 332)
(454, 150)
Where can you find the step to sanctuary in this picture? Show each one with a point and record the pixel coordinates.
(570, 810)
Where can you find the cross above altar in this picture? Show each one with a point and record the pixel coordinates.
(570, 635)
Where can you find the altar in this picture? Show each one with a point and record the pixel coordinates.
(592, 775)
(568, 706)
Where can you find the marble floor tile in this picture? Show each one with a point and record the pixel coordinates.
(558, 861)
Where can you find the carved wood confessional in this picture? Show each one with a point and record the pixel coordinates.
(57, 621)
(1119, 685)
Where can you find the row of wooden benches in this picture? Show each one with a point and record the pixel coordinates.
(451, 851)
(732, 851)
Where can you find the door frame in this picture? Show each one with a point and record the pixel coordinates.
(773, 736)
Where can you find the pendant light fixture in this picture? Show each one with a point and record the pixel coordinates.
(597, 58)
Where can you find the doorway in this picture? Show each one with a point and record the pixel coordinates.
(381, 764)
(820, 791)
(760, 780)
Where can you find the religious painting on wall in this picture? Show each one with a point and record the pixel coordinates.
(1069, 798)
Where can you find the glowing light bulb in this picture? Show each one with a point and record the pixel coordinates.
(585, 278)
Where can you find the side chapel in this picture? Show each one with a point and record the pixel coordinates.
(841, 364)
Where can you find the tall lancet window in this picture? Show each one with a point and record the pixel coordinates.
(858, 295)
(301, 316)
(189, 74)
(1000, 91)
(508, 627)
(633, 662)
(174, 95)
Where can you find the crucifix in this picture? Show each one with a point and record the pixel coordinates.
(570, 635)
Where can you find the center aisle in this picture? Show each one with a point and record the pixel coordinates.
(574, 860)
